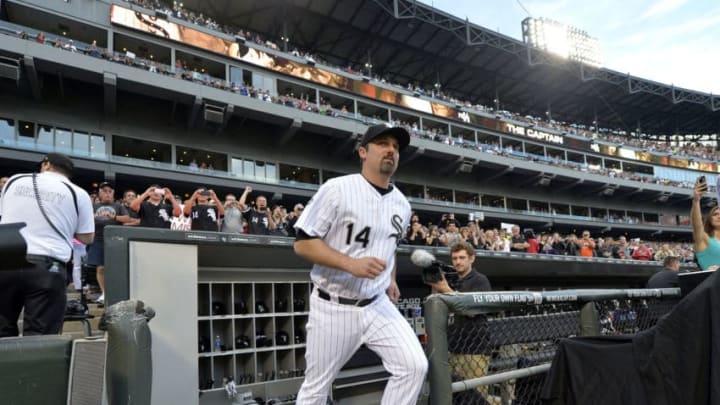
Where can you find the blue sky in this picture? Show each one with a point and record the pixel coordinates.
(669, 41)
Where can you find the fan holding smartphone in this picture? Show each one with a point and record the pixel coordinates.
(706, 231)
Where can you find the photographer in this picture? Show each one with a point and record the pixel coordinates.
(203, 216)
(155, 213)
(467, 337)
(233, 221)
(55, 210)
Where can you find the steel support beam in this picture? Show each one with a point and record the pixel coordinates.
(32, 75)
(110, 93)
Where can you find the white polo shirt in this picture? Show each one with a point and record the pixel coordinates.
(18, 204)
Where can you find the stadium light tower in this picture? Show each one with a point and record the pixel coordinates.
(562, 40)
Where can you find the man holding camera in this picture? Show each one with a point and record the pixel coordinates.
(233, 220)
(155, 212)
(467, 337)
(55, 210)
(203, 215)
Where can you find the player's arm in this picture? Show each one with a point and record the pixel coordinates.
(317, 251)
(393, 290)
(700, 238)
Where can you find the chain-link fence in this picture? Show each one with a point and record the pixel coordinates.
(495, 348)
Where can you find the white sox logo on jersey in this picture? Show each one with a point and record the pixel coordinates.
(396, 221)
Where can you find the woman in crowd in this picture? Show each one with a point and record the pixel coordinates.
(415, 234)
(705, 232)
(433, 237)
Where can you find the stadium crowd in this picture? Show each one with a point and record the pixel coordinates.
(692, 150)
(203, 210)
(181, 70)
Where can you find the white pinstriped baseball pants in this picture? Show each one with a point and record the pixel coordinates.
(335, 332)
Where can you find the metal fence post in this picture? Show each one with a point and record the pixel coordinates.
(589, 320)
(436, 322)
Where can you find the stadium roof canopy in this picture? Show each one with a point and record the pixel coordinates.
(407, 41)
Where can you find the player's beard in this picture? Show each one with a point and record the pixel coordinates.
(388, 166)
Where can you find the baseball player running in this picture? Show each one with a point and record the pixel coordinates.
(350, 230)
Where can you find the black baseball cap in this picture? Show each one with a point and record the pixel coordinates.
(60, 162)
(105, 184)
(374, 131)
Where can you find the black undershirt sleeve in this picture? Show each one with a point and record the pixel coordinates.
(301, 235)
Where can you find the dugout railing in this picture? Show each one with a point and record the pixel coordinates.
(496, 347)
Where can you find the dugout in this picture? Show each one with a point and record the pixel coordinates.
(251, 293)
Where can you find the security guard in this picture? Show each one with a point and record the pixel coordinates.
(55, 210)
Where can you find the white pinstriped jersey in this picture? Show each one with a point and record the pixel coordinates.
(352, 217)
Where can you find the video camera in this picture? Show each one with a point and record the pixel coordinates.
(432, 269)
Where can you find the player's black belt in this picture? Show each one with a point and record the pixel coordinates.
(347, 301)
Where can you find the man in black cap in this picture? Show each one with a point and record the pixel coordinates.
(55, 210)
(350, 230)
(107, 212)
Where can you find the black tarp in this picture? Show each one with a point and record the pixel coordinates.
(677, 362)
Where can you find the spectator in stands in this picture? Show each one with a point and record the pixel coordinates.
(664, 252)
(451, 235)
(502, 242)
(467, 336)
(259, 218)
(531, 240)
(544, 245)
(642, 252)
(558, 244)
(445, 219)
(572, 248)
(279, 217)
(705, 232)
(432, 239)
(107, 212)
(204, 216)
(181, 222)
(233, 215)
(587, 245)
(604, 247)
(160, 208)
(518, 243)
(415, 234)
(622, 250)
(668, 276)
(293, 217)
(128, 197)
(40, 38)
(465, 236)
